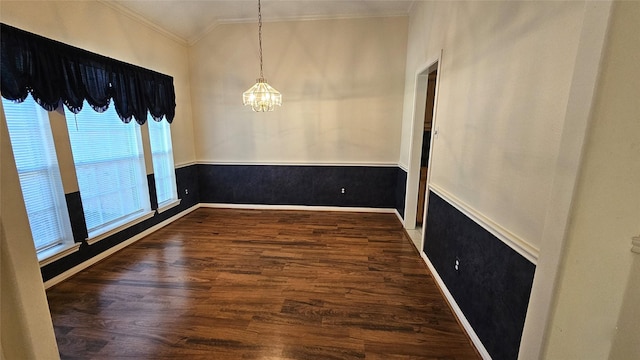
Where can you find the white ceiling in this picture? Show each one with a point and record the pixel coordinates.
(189, 20)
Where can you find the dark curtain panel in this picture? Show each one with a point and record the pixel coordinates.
(53, 72)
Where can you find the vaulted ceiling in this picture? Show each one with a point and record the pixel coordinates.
(189, 20)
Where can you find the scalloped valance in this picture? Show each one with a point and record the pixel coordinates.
(53, 72)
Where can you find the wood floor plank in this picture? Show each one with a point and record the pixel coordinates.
(257, 284)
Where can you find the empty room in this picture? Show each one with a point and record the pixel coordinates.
(311, 179)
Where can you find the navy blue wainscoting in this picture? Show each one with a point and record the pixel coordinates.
(153, 196)
(493, 283)
(401, 191)
(365, 186)
(187, 184)
(76, 216)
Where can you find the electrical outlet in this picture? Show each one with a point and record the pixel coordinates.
(186, 191)
(342, 190)
(457, 265)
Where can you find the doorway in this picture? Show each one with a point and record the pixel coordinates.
(423, 132)
(426, 145)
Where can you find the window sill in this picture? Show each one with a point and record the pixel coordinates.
(168, 205)
(57, 252)
(103, 233)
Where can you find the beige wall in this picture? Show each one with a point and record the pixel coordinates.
(504, 86)
(511, 90)
(26, 329)
(93, 26)
(504, 82)
(342, 85)
(27, 332)
(598, 289)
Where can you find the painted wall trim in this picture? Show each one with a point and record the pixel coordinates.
(395, 211)
(516, 243)
(421, 80)
(168, 206)
(188, 163)
(299, 208)
(94, 239)
(456, 309)
(582, 92)
(140, 19)
(59, 253)
(76, 269)
(294, 163)
(217, 23)
(403, 167)
(635, 242)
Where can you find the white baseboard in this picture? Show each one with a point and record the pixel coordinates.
(399, 216)
(297, 163)
(76, 269)
(456, 309)
(299, 207)
(303, 208)
(460, 315)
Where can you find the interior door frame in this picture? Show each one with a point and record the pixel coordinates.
(415, 151)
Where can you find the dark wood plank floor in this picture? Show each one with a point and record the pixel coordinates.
(249, 284)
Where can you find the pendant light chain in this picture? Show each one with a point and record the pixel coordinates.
(261, 96)
(260, 37)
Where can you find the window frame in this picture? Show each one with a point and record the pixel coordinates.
(65, 243)
(166, 152)
(144, 211)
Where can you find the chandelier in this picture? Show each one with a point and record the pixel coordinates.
(261, 96)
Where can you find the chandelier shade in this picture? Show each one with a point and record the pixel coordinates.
(261, 96)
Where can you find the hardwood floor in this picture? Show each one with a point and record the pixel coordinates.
(249, 284)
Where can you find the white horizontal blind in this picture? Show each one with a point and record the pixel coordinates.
(110, 168)
(162, 154)
(37, 164)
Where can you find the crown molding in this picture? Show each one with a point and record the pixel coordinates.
(193, 40)
(141, 19)
(217, 23)
(412, 6)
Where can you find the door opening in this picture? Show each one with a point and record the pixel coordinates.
(424, 131)
(426, 143)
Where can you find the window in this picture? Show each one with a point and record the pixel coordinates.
(163, 169)
(110, 168)
(37, 165)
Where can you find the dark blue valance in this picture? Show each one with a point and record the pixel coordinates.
(54, 72)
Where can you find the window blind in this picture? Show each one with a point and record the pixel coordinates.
(110, 169)
(163, 167)
(37, 165)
